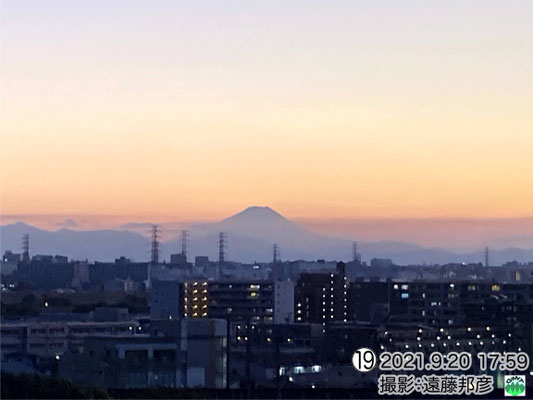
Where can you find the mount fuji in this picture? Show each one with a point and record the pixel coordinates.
(251, 234)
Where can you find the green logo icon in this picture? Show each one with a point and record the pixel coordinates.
(515, 385)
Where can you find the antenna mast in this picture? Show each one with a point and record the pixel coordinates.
(356, 255)
(155, 244)
(184, 242)
(276, 256)
(222, 245)
(26, 247)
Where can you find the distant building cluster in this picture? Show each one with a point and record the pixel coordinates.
(221, 324)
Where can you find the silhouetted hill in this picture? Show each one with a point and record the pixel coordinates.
(104, 245)
(251, 235)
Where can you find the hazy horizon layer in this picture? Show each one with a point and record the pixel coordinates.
(451, 233)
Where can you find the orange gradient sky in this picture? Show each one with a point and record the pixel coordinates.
(319, 110)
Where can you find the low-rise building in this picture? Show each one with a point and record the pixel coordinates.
(50, 339)
(187, 353)
(240, 300)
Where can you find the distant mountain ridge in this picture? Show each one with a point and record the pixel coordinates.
(251, 235)
(97, 245)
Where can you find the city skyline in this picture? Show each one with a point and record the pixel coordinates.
(340, 112)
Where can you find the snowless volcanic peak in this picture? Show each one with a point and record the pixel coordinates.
(256, 213)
